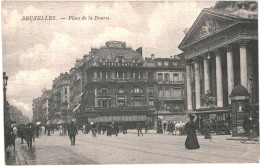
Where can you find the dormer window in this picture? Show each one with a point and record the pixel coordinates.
(120, 59)
(103, 60)
(159, 63)
(166, 63)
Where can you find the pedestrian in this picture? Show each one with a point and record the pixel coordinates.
(43, 130)
(37, 131)
(247, 126)
(15, 130)
(146, 127)
(84, 129)
(93, 129)
(139, 128)
(164, 127)
(191, 140)
(207, 127)
(29, 135)
(170, 128)
(72, 131)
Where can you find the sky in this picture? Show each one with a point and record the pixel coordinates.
(37, 51)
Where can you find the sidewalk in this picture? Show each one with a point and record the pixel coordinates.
(16, 158)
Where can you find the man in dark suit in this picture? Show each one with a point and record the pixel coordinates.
(72, 131)
(139, 128)
(29, 135)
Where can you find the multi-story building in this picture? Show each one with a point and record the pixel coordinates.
(41, 106)
(17, 116)
(115, 83)
(120, 85)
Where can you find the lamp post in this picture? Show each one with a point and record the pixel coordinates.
(158, 104)
(252, 111)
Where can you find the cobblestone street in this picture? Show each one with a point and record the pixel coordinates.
(131, 149)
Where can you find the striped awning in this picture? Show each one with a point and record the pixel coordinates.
(126, 118)
(76, 108)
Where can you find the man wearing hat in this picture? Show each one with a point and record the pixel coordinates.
(191, 140)
(72, 131)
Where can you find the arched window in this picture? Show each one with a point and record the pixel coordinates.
(120, 91)
(137, 90)
(103, 90)
(103, 60)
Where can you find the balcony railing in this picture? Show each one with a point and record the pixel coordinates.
(118, 80)
(171, 98)
(170, 82)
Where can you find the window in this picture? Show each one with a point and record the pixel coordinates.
(175, 63)
(120, 74)
(103, 90)
(103, 60)
(166, 77)
(121, 90)
(175, 77)
(150, 76)
(166, 63)
(160, 92)
(151, 91)
(160, 77)
(137, 90)
(159, 63)
(65, 90)
(167, 93)
(177, 93)
(104, 103)
(137, 103)
(120, 102)
(150, 102)
(98, 74)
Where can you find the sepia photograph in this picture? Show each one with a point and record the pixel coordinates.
(127, 82)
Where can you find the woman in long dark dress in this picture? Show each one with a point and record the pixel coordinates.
(191, 140)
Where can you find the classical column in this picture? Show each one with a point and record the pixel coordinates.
(197, 83)
(243, 64)
(188, 84)
(230, 71)
(219, 79)
(206, 74)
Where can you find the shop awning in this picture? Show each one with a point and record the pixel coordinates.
(125, 118)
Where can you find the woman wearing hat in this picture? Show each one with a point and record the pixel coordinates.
(191, 140)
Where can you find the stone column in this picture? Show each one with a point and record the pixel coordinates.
(243, 64)
(230, 71)
(219, 79)
(206, 74)
(188, 84)
(197, 83)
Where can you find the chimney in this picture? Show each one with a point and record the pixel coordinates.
(152, 56)
(140, 50)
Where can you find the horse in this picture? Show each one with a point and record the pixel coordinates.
(180, 127)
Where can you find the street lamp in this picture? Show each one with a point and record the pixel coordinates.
(158, 105)
(252, 111)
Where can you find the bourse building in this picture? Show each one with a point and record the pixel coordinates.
(221, 51)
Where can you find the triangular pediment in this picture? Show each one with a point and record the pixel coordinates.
(206, 24)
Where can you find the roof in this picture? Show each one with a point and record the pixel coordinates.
(110, 54)
(239, 90)
(228, 19)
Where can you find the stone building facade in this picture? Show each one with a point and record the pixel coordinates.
(221, 51)
(120, 85)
